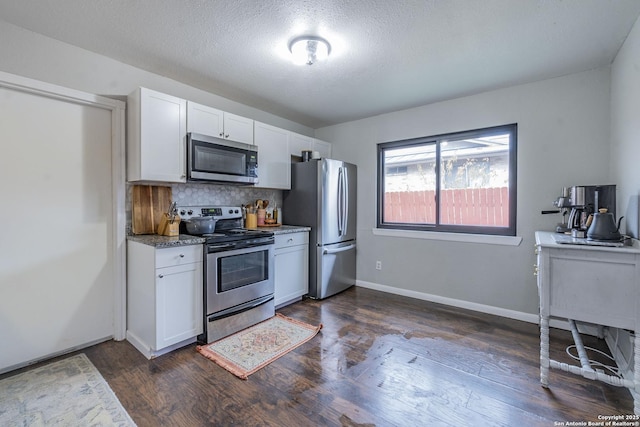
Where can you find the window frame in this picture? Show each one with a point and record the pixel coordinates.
(509, 230)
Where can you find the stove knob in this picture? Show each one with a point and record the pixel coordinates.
(230, 211)
(236, 211)
(190, 212)
(182, 212)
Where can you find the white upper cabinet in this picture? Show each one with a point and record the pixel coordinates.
(213, 122)
(274, 160)
(238, 128)
(156, 137)
(204, 120)
(298, 143)
(322, 147)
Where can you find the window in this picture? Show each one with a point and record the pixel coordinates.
(396, 170)
(462, 182)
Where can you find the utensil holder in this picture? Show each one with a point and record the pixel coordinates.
(252, 221)
(169, 227)
(262, 213)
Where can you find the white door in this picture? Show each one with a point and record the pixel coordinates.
(56, 250)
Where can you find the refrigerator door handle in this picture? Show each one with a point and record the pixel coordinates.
(345, 201)
(335, 251)
(340, 216)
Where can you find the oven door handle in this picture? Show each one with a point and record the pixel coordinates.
(218, 247)
(240, 308)
(218, 253)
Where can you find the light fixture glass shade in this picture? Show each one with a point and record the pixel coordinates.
(309, 49)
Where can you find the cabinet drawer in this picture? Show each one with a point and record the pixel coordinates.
(177, 256)
(291, 239)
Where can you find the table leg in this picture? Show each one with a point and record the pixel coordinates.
(636, 375)
(544, 351)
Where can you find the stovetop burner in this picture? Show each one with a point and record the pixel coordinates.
(228, 226)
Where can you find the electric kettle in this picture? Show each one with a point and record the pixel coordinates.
(603, 227)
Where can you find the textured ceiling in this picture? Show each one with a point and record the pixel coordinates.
(386, 54)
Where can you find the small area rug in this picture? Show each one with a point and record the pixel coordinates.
(68, 392)
(251, 349)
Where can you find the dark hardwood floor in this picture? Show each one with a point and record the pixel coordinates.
(380, 360)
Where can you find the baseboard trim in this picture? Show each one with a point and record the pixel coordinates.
(148, 352)
(488, 309)
(4, 370)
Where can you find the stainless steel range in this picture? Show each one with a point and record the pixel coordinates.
(238, 272)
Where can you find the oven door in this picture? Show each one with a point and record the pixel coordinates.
(238, 276)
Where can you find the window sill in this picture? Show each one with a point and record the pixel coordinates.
(450, 237)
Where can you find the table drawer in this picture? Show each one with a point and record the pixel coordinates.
(169, 257)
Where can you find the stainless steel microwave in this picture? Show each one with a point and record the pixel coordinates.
(220, 160)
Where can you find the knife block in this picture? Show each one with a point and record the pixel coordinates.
(168, 228)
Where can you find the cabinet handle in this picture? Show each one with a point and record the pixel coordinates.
(221, 133)
(290, 241)
(226, 136)
(161, 275)
(535, 270)
(181, 255)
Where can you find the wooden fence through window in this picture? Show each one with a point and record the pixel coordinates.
(470, 206)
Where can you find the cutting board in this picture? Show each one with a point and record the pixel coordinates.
(148, 203)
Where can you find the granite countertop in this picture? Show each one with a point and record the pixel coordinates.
(165, 241)
(286, 229)
(186, 239)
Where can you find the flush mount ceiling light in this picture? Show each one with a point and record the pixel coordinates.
(309, 49)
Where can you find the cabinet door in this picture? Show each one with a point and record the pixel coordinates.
(238, 128)
(274, 161)
(162, 136)
(291, 273)
(179, 313)
(298, 143)
(322, 147)
(204, 120)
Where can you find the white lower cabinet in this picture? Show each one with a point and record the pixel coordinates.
(291, 267)
(164, 297)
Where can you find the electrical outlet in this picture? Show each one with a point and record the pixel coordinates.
(378, 265)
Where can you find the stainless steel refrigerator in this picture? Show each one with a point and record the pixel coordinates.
(323, 197)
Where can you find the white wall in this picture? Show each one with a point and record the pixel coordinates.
(29, 54)
(563, 134)
(563, 140)
(625, 130)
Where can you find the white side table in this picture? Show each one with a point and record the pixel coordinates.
(592, 284)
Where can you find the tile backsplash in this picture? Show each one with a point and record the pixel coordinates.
(191, 194)
(221, 195)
